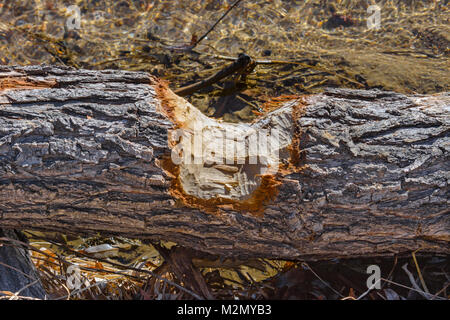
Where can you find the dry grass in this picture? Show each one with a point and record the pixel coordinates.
(172, 273)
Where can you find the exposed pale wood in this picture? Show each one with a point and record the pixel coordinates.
(85, 156)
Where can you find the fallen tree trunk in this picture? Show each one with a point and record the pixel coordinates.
(348, 172)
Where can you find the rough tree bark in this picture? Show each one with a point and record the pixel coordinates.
(360, 173)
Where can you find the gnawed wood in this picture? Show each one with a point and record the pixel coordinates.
(360, 173)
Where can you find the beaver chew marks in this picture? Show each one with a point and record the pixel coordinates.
(227, 160)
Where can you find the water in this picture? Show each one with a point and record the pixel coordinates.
(332, 41)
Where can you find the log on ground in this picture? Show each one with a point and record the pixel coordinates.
(346, 173)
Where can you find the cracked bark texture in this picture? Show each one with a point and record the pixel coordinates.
(80, 152)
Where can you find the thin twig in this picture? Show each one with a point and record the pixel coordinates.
(368, 290)
(75, 292)
(106, 261)
(193, 294)
(300, 63)
(413, 289)
(424, 286)
(16, 294)
(240, 64)
(215, 24)
(15, 269)
(305, 265)
(442, 290)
